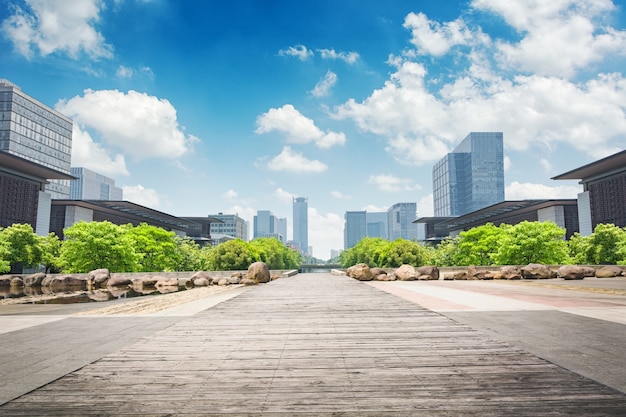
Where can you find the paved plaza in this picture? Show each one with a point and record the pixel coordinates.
(317, 344)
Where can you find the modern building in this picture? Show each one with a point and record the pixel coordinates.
(471, 177)
(200, 230)
(603, 199)
(232, 225)
(265, 225)
(35, 149)
(400, 219)
(90, 185)
(432, 230)
(301, 224)
(377, 224)
(355, 228)
(282, 229)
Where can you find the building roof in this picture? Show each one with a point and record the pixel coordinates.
(203, 220)
(502, 210)
(610, 164)
(131, 210)
(31, 169)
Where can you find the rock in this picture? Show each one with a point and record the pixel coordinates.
(248, 281)
(16, 283)
(377, 271)
(34, 280)
(199, 279)
(235, 279)
(201, 282)
(385, 277)
(5, 281)
(64, 282)
(511, 272)
(571, 272)
(259, 272)
(223, 281)
(456, 275)
(361, 271)
(536, 271)
(609, 271)
(99, 277)
(497, 274)
(431, 271)
(590, 271)
(166, 282)
(118, 281)
(406, 273)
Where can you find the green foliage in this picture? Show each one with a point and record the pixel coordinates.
(606, 245)
(232, 255)
(367, 251)
(275, 254)
(479, 245)
(445, 252)
(402, 251)
(5, 265)
(578, 247)
(51, 250)
(22, 244)
(91, 245)
(156, 247)
(188, 256)
(532, 242)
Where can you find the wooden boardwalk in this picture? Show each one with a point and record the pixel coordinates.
(316, 344)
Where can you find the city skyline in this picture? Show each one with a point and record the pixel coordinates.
(201, 107)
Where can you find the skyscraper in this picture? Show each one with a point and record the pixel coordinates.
(301, 224)
(471, 177)
(89, 185)
(355, 228)
(377, 224)
(281, 228)
(400, 221)
(264, 224)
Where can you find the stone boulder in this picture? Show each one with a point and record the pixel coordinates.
(590, 271)
(5, 281)
(223, 282)
(201, 279)
(430, 273)
(65, 282)
(235, 279)
(455, 275)
(119, 281)
(571, 272)
(248, 281)
(16, 283)
(166, 282)
(406, 273)
(34, 280)
(259, 272)
(361, 271)
(201, 282)
(99, 277)
(536, 271)
(609, 271)
(511, 272)
(473, 273)
(377, 271)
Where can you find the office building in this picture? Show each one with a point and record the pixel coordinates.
(377, 224)
(35, 149)
(603, 200)
(400, 221)
(355, 228)
(89, 185)
(232, 225)
(282, 229)
(199, 230)
(471, 177)
(301, 224)
(265, 224)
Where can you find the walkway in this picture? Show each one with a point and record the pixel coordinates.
(313, 344)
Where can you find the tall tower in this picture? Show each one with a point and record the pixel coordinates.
(355, 228)
(471, 177)
(301, 224)
(400, 219)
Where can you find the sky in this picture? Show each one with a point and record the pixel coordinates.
(198, 107)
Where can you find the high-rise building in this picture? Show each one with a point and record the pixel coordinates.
(301, 224)
(35, 149)
(282, 229)
(264, 224)
(355, 228)
(471, 177)
(400, 221)
(377, 224)
(232, 225)
(89, 185)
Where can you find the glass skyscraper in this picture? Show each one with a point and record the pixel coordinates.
(471, 177)
(400, 221)
(355, 228)
(301, 224)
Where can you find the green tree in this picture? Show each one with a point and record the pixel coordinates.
(232, 255)
(51, 250)
(578, 248)
(23, 245)
(156, 247)
(402, 251)
(275, 254)
(92, 245)
(533, 242)
(5, 265)
(367, 251)
(479, 245)
(189, 256)
(445, 253)
(604, 245)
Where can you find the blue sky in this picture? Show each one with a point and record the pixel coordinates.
(196, 107)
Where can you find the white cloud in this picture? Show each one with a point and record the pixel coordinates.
(340, 196)
(128, 72)
(370, 208)
(388, 182)
(86, 153)
(49, 26)
(141, 125)
(323, 87)
(425, 206)
(347, 57)
(143, 196)
(507, 163)
(547, 165)
(292, 161)
(297, 128)
(523, 191)
(299, 51)
(284, 196)
(230, 195)
(433, 38)
(327, 233)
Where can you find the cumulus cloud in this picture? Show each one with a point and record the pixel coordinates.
(388, 182)
(284, 196)
(523, 191)
(292, 161)
(230, 195)
(299, 51)
(297, 128)
(434, 38)
(426, 206)
(143, 196)
(49, 26)
(141, 125)
(323, 87)
(89, 154)
(128, 72)
(347, 57)
(327, 234)
(340, 196)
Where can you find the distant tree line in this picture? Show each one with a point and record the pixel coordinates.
(127, 248)
(490, 245)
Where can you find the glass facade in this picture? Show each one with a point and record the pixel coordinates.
(233, 226)
(400, 221)
(471, 177)
(90, 185)
(355, 228)
(301, 224)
